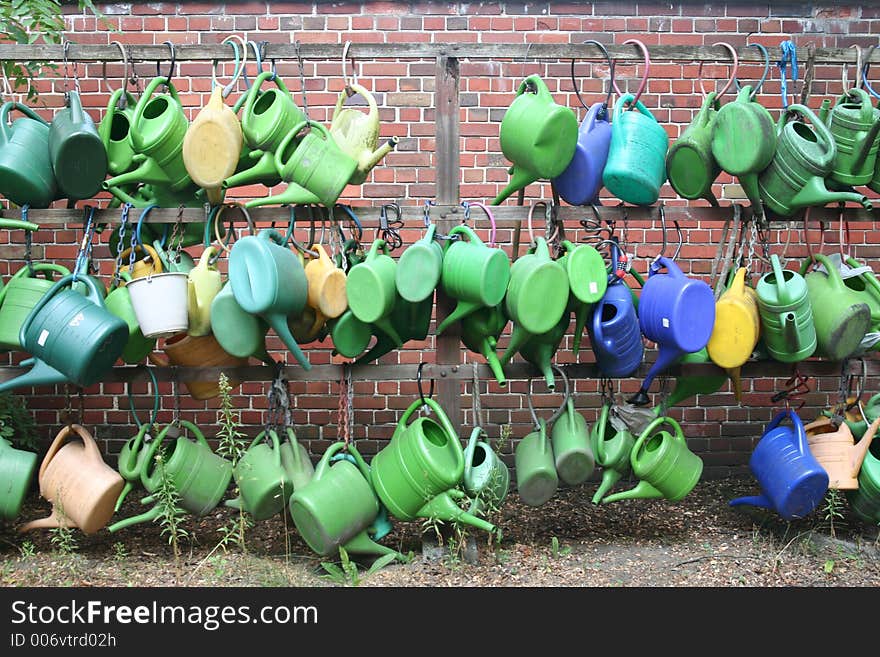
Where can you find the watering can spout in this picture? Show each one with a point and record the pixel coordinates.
(519, 178)
(815, 193)
(860, 449)
(363, 544)
(518, 338)
(753, 500)
(262, 171)
(789, 328)
(665, 357)
(443, 507)
(146, 516)
(643, 490)
(126, 489)
(283, 331)
(293, 195)
(41, 374)
(487, 347)
(609, 478)
(49, 522)
(370, 160)
(147, 171)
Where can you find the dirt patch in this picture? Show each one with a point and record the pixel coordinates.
(700, 541)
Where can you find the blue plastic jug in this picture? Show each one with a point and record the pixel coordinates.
(581, 181)
(614, 332)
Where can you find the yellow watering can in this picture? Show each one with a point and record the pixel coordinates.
(736, 330)
(327, 295)
(203, 284)
(152, 264)
(357, 133)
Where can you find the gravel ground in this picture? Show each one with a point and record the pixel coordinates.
(700, 541)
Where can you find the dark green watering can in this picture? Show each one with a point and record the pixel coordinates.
(611, 447)
(540, 349)
(22, 292)
(663, 463)
(537, 296)
(538, 136)
(805, 154)
(840, 317)
(690, 165)
(73, 338)
(114, 132)
(26, 176)
(786, 312)
(336, 508)
(480, 332)
(156, 136)
(410, 321)
(867, 287)
(269, 280)
(854, 124)
(474, 274)
(79, 159)
(744, 141)
(689, 386)
(415, 475)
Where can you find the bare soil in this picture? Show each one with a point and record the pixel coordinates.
(700, 541)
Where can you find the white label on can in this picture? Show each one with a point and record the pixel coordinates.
(594, 287)
(44, 335)
(665, 322)
(77, 320)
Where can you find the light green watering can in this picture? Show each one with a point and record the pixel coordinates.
(114, 132)
(264, 484)
(612, 448)
(572, 450)
(537, 296)
(538, 136)
(295, 461)
(239, 333)
(486, 476)
(131, 461)
(587, 282)
(539, 349)
(415, 475)
(371, 290)
(840, 317)
(118, 302)
(337, 506)
(536, 476)
(17, 469)
(854, 124)
(663, 463)
(786, 314)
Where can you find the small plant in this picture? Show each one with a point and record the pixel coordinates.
(348, 573)
(170, 513)
(27, 549)
(556, 551)
(232, 441)
(16, 422)
(832, 512)
(233, 532)
(503, 438)
(120, 553)
(829, 566)
(62, 536)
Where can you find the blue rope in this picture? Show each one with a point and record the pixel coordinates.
(789, 54)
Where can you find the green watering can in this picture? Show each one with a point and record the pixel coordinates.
(689, 386)
(795, 178)
(295, 461)
(537, 296)
(118, 303)
(744, 141)
(337, 506)
(174, 260)
(786, 312)
(156, 135)
(480, 331)
(587, 282)
(865, 500)
(538, 136)
(371, 290)
(416, 473)
(474, 274)
(486, 476)
(419, 267)
(612, 448)
(239, 333)
(264, 484)
(131, 461)
(539, 349)
(690, 165)
(17, 469)
(411, 321)
(855, 126)
(572, 450)
(536, 476)
(200, 476)
(78, 156)
(73, 338)
(269, 280)
(22, 292)
(663, 463)
(26, 176)
(114, 131)
(840, 317)
(867, 287)
(636, 166)
(350, 336)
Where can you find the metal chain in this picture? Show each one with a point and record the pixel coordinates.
(753, 237)
(85, 247)
(123, 222)
(302, 78)
(476, 407)
(175, 393)
(174, 234)
(82, 405)
(341, 415)
(606, 389)
(349, 391)
(28, 245)
(67, 413)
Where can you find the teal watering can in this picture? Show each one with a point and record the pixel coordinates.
(486, 476)
(786, 314)
(26, 176)
(79, 159)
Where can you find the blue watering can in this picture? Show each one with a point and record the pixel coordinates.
(791, 479)
(581, 181)
(614, 332)
(676, 312)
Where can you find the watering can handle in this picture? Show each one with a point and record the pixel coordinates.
(800, 432)
(273, 235)
(324, 463)
(824, 133)
(663, 419)
(24, 109)
(463, 229)
(374, 249)
(441, 417)
(778, 273)
(145, 98)
(833, 272)
(61, 438)
(538, 83)
(471, 448)
(294, 131)
(75, 104)
(15, 224)
(662, 262)
(629, 98)
(867, 109)
(251, 95)
(93, 295)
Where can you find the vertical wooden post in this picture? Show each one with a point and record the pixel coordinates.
(448, 165)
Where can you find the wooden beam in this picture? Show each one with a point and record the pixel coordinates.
(495, 51)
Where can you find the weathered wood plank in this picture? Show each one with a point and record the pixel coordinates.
(509, 51)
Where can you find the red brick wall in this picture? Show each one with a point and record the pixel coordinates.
(718, 428)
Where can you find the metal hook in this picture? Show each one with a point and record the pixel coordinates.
(566, 394)
(124, 71)
(644, 49)
(419, 384)
(290, 236)
(493, 230)
(866, 70)
(173, 62)
(355, 220)
(844, 74)
(353, 79)
(730, 80)
(760, 83)
(240, 63)
(577, 91)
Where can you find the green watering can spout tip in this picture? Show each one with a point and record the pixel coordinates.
(126, 489)
(234, 503)
(41, 374)
(147, 516)
(363, 544)
(443, 507)
(494, 364)
(643, 490)
(609, 478)
(293, 195)
(519, 178)
(814, 193)
(279, 323)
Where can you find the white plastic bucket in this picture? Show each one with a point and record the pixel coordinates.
(160, 303)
